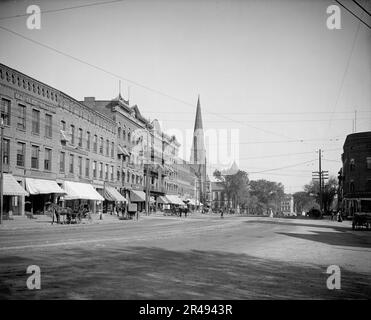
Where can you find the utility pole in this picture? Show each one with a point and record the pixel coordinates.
(320, 175)
(1, 172)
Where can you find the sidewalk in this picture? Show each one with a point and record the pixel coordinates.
(44, 221)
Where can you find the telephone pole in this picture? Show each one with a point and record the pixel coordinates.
(321, 176)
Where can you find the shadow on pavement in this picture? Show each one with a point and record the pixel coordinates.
(351, 239)
(98, 272)
(335, 227)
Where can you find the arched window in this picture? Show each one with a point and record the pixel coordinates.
(124, 133)
(129, 135)
(352, 164)
(119, 132)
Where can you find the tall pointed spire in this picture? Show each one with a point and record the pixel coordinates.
(198, 152)
(198, 121)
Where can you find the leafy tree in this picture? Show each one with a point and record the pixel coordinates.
(268, 193)
(328, 193)
(235, 186)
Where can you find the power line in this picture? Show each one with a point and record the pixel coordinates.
(289, 166)
(363, 8)
(136, 83)
(351, 12)
(270, 113)
(345, 72)
(63, 9)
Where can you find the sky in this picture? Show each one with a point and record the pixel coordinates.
(275, 84)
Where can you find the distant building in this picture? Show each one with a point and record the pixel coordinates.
(287, 204)
(355, 175)
(219, 198)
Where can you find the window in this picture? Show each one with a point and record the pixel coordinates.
(87, 168)
(95, 143)
(80, 165)
(351, 164)
(72, 134)
(106, 172)
(101, 145)
(63, 125)
(21, 151)
(5, 111)
(119, 132)
(6, 145)
(48, 125)
(128, 177)
(35, 157)
(94, 169)
(124, 133)
(35, 121)
(48, 160)
(87, 140)
(129, 135)
(21, 122)
(368, 161)
(80, 138)
(112, 149)
(351, 186)
(100, 170)
(118, 174)
(107, 147)
(111, 173)
(71, 163)
(62, 162)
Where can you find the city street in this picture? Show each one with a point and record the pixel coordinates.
(198, 257)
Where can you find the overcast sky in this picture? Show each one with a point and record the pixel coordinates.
(269, 71)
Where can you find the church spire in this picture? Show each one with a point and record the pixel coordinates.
(198, 121)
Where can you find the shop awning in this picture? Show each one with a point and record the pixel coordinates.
(111, 194)
(162, 199)
(41, 186)
(12, 187)
(192, 202)
(137, 196)
(78, 190)
(174, 199)
(123, 150)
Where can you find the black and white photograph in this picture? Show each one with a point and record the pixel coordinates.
(180, 150)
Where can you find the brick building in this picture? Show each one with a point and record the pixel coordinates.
(51, 138)
(355, 175)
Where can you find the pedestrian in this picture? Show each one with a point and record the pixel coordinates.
(221, 213)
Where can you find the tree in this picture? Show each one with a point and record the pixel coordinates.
(235, 186)
(303, 201)
(328, 193)
(268, 193)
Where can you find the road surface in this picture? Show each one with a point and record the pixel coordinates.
(198, 257)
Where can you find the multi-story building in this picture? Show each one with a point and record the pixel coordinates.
(287, 204)
(219, 199)
(50, 139)
(355, 175)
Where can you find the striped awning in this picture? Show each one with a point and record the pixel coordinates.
(162, 199)
(12, 187)
(137, 196)
(41, 186)
(111, 194)
(78, 190)
(123, 150)
(174, 199)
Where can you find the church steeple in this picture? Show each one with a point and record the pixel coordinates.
(198, 121)
(198, 152)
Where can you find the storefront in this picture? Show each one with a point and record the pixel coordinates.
(42, 192)
(163, 203)
(138, 197)
(78, 194)
(114, 201)
(13, 196)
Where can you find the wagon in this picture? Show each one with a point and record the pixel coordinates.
(361, 220)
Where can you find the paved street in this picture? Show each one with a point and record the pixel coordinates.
(199, 257)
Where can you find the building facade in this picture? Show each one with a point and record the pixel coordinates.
(51, 138)
(355, 175)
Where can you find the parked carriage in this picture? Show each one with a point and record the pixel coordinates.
(361, 220)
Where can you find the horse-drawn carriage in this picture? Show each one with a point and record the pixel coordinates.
(67, 215)
(361, 220)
